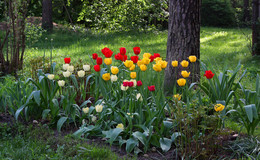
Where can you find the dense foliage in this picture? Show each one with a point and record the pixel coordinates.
(217, 13)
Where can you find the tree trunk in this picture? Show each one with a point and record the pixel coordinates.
(256, 28)
(47, 15)
(246, 17)
(183, 39)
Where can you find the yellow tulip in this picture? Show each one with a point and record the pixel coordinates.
(128, 63)
(108, 61)
(164, 64)
(106, 76)
(177, 97)
(185, 74)
(158, 59)
(114, 70)
(175, 63)
(147, 55)
(139, 63)
(120, 125)
(219, 107)
(192, 59)
(146, 60)
(133, 75)
(184, 63)
(85, 110)
(143, 67)
(157, 67)
(181, 82)
(132, 67)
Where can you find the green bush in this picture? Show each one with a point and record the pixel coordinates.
(217, 13)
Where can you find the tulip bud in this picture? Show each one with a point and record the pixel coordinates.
(51, 76)
(71, 68)
(61, 83)
(65, 66)
(86, 67)
(81, 73)
(66, 74)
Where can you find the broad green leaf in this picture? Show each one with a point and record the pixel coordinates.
(131, 144)
(141, 137)
(61, 122)
(165, 144)
(17, 113)
(83, 130)
(45, 113)
(175, 135)
(249, 112)
(37, 96)
(112, 134)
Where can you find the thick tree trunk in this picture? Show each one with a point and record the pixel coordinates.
(183, 39)
(246, 17)
(256, 28)
(47, 15)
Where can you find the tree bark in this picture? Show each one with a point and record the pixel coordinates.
(256, 28)
(183, 39)
(47, 15)
(246, 17)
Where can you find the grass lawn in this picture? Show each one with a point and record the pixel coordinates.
(220, 47)
(20, 142)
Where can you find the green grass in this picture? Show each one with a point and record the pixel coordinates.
(27, 143)
(219, 47)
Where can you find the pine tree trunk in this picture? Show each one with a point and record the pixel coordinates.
(47, 15)
(256, 28)
(183, 39)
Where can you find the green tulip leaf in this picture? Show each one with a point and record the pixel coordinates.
(165, 144)
(45, 113)
(131, 144)
(112, 134)
(141, 137)
(61, 122)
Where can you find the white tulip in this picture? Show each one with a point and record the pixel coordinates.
(113, 78)
(66, 74)
(94, 118)
(65, 66)
(86, 67)
(139, 97)
(71, 68)
(51, 76)
(81, 73)
(61, 83)
(99, 108)
(123, 88)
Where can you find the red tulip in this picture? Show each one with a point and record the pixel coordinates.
(151, 88)
(135, 59)
(124, 58)
(137, 50)
(122, 51)
(139, 83)
(99, 60)
(94, 56)
(208, 74)
(130, 84)
(67, 60)
(125, 84)
(155, 55)
(107, 52)
(151, 58)
(97, 68)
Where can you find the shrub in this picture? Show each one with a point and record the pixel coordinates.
(217, 13)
